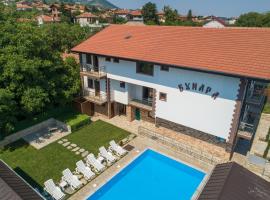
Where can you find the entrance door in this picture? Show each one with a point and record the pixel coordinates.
(97, 88)
(137, 114)
(95, 63)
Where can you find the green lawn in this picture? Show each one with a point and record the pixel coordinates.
(266, 108)
(96, 135)
(36, 166)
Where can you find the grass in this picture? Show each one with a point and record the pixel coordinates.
(96, 135)
(64, 114)
(37, 166)
(266, 108)
(268, 146)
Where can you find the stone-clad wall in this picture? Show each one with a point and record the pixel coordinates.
(189, 131)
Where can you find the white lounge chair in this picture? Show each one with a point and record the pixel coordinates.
(92, 161)
(117, 149)
(84, 170)
(71, 179)
(53, 190)
(107, 155)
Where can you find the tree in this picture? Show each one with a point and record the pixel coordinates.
(189, 15)
(32, 71)
(149, 13)
(254, 19)
(119, 20)
(7, 112)
(171, 15)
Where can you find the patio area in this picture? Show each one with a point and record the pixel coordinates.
(194, 143)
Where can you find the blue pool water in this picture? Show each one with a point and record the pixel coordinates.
(151, 176)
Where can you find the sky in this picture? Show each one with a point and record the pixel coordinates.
(222, 8)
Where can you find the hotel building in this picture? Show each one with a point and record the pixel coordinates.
(204, 82)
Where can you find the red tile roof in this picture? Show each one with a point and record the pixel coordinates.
(135, 13)
(86, 15)
(235, 51)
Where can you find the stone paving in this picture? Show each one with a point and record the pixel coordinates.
(122, 122)
(73, 147)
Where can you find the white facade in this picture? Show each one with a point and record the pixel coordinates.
(213, 24)
(92, 22)
(192, 108)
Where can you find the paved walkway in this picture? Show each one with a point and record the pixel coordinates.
(122, 122)
(259, 144)
(140, 144)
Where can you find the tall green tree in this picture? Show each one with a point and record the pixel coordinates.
(149, 13)
(254, 19)
(171, 15)
(189, 15)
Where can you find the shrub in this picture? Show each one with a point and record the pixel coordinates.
(78, 122)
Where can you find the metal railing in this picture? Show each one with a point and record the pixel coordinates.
(102, 97)
(181, 147)
(144, 101)
(246, 127)
(100, 71)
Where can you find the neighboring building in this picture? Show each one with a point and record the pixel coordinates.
(13, 187)
(40, 6)
(215, 23)
(232, 21)
(122, 13)
(231, 181)
(206, 83)
(23, 7)
(42, 19)
(135, 15)
(161, 17)
(54, 9)
(87, 19)
(75, 8)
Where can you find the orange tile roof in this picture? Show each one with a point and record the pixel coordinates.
(86, 15)
(234, 51)
(135, 13)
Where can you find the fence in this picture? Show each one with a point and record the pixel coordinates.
(178, 146)
(45, 124)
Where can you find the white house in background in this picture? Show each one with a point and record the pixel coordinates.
(197, 81)
(87, 19)
(215, 23)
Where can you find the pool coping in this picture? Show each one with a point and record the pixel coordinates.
(113, 170)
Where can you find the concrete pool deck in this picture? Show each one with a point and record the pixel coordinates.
(141, 144)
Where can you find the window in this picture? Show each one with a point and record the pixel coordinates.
(122, 84)
(108, 59)
(80, 58)
(145, 68)
(116, 60)
(90, 83)
(88, 59)
(164, 68)
(162, 96)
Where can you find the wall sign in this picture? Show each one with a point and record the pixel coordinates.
(200, 88)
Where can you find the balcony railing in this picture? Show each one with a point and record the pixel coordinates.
(99, 98)
(142, 103)
(246, 130)
(90, 70)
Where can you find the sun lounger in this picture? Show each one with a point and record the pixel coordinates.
(71, 179)
(117, 149)
(92, 161)
(107, 155)
(84, 170)
(53, 190)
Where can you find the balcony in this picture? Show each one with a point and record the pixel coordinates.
(145, 104)
(246, 130)
(92, 71)
(98, 98)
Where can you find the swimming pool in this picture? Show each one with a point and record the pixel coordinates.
(151, 176)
